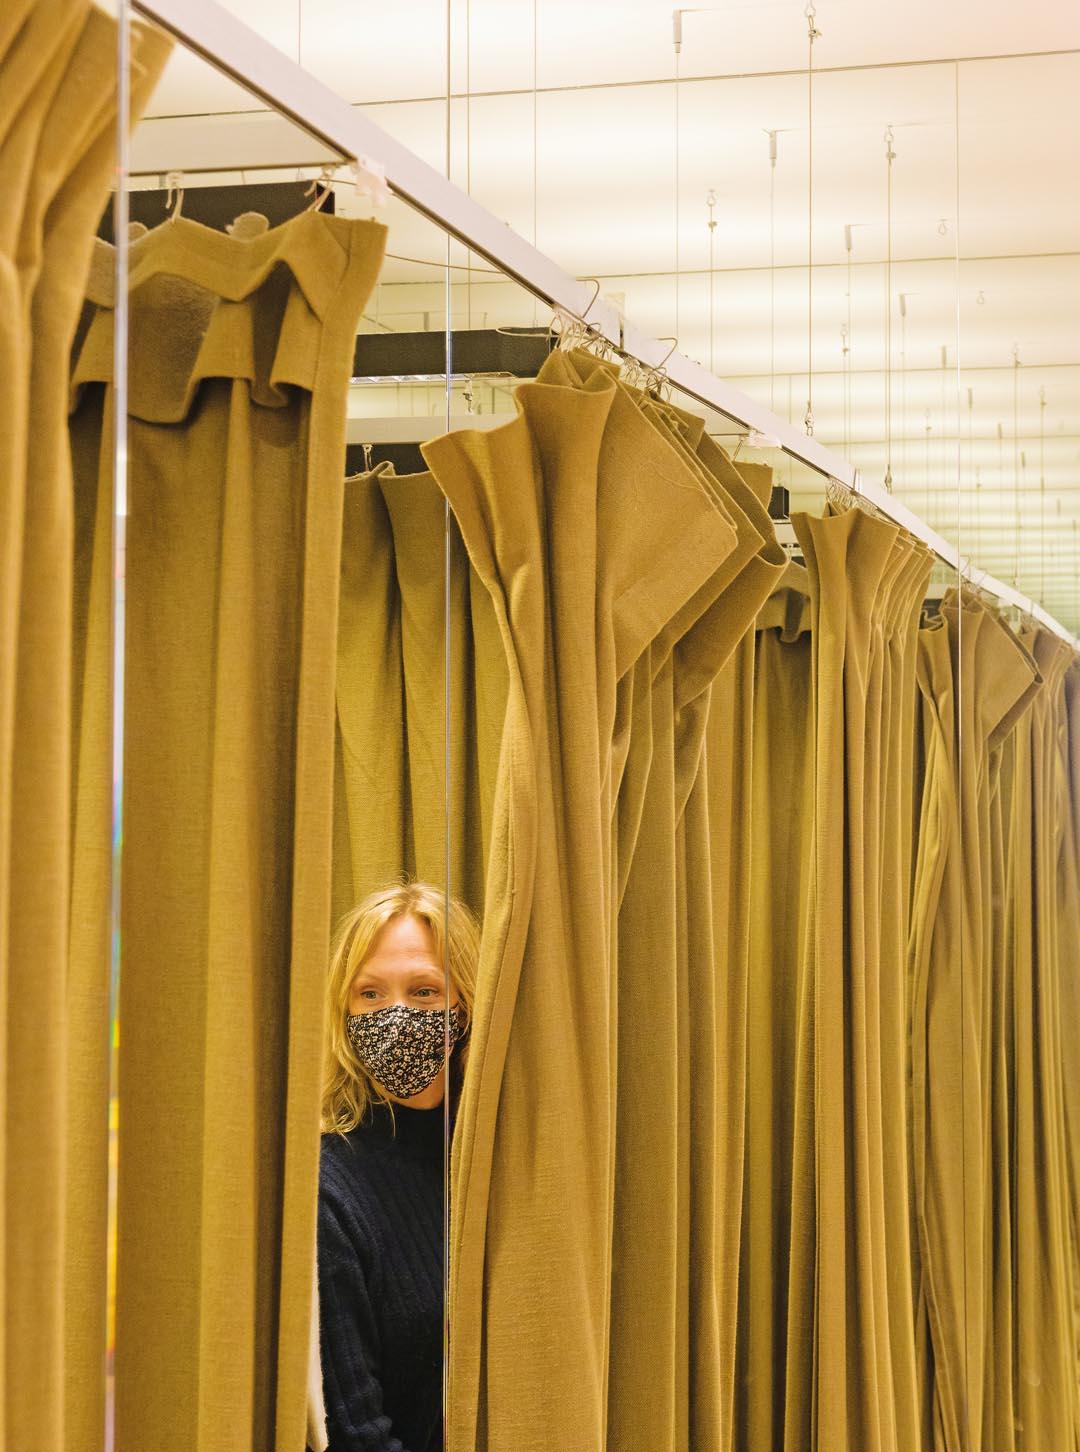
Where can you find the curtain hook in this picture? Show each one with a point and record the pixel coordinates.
(174, 181)
(596, 283)
(658, 373)
(324, 181)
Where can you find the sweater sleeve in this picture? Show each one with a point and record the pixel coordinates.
(354, 1399)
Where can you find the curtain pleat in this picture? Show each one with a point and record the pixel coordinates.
(800, 823)
(57, 120)
(844, 1390)
(769, 1133)
(976, 680)
(233, 543)
(371, 798)
(577, 518)
(823, 1033)
(774, 800)
(1045, 1377)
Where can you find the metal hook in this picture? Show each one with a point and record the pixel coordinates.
(174, 181)
(663, 361)
(592, 300)
(655, 376)
(323, 180)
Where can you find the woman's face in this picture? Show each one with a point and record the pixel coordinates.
(402, 967)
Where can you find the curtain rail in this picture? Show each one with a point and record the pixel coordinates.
(232, 47)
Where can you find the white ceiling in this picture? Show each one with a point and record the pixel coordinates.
(985, 212)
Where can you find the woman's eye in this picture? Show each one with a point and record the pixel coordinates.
(435, 991)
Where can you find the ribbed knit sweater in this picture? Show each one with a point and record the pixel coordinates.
(380, 1282)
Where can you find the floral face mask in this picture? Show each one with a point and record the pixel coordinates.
(403, 1048)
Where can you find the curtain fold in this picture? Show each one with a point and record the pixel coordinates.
(976, 680)
(371, 798)
(848, 1381)
(1045, 1343)
(57, 120)
(756, 1182)
(769, 813)
(583, 544)
(233, 546)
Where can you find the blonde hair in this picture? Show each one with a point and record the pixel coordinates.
(348, 1088)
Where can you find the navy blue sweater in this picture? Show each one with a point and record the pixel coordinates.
(381, 1282)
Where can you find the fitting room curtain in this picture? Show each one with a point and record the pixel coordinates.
(771, 740)
(390, 771)
(993, 947)
(1045, 1288)
(57, 130)
(666, 1381)
(592, 529)
(976, 680)
(237, 432)
(826, 1355)
(780, 985)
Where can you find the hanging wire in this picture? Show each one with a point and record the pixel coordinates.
(973, 468)
(678, 50)
(535, 135)
(890, 157)
(448, 743)
(772, 269)
(926, 465)
(1001, 462)
(846, 346)
(710, 202)
(1016, 457)
(813, 33)
(944, 430)
(902, 301)
(468, 153)
(1042, 496)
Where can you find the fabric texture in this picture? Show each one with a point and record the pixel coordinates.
(57, 134)
(814, 1216)
(236, 435)
(584, 564)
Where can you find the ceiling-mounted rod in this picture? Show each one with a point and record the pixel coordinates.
(233, 48)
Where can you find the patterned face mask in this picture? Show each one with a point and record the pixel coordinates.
(403, 1048)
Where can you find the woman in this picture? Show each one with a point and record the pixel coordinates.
(381, 1242)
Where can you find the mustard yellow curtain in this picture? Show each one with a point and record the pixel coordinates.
(771, 815)
(849, 1375)
(57, 127)
(666, 1378)
(233, 548)
(1043, 1313)
(1069, 886)
(392, 790)
(785, 829)
(976, 680)
(581, 540)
